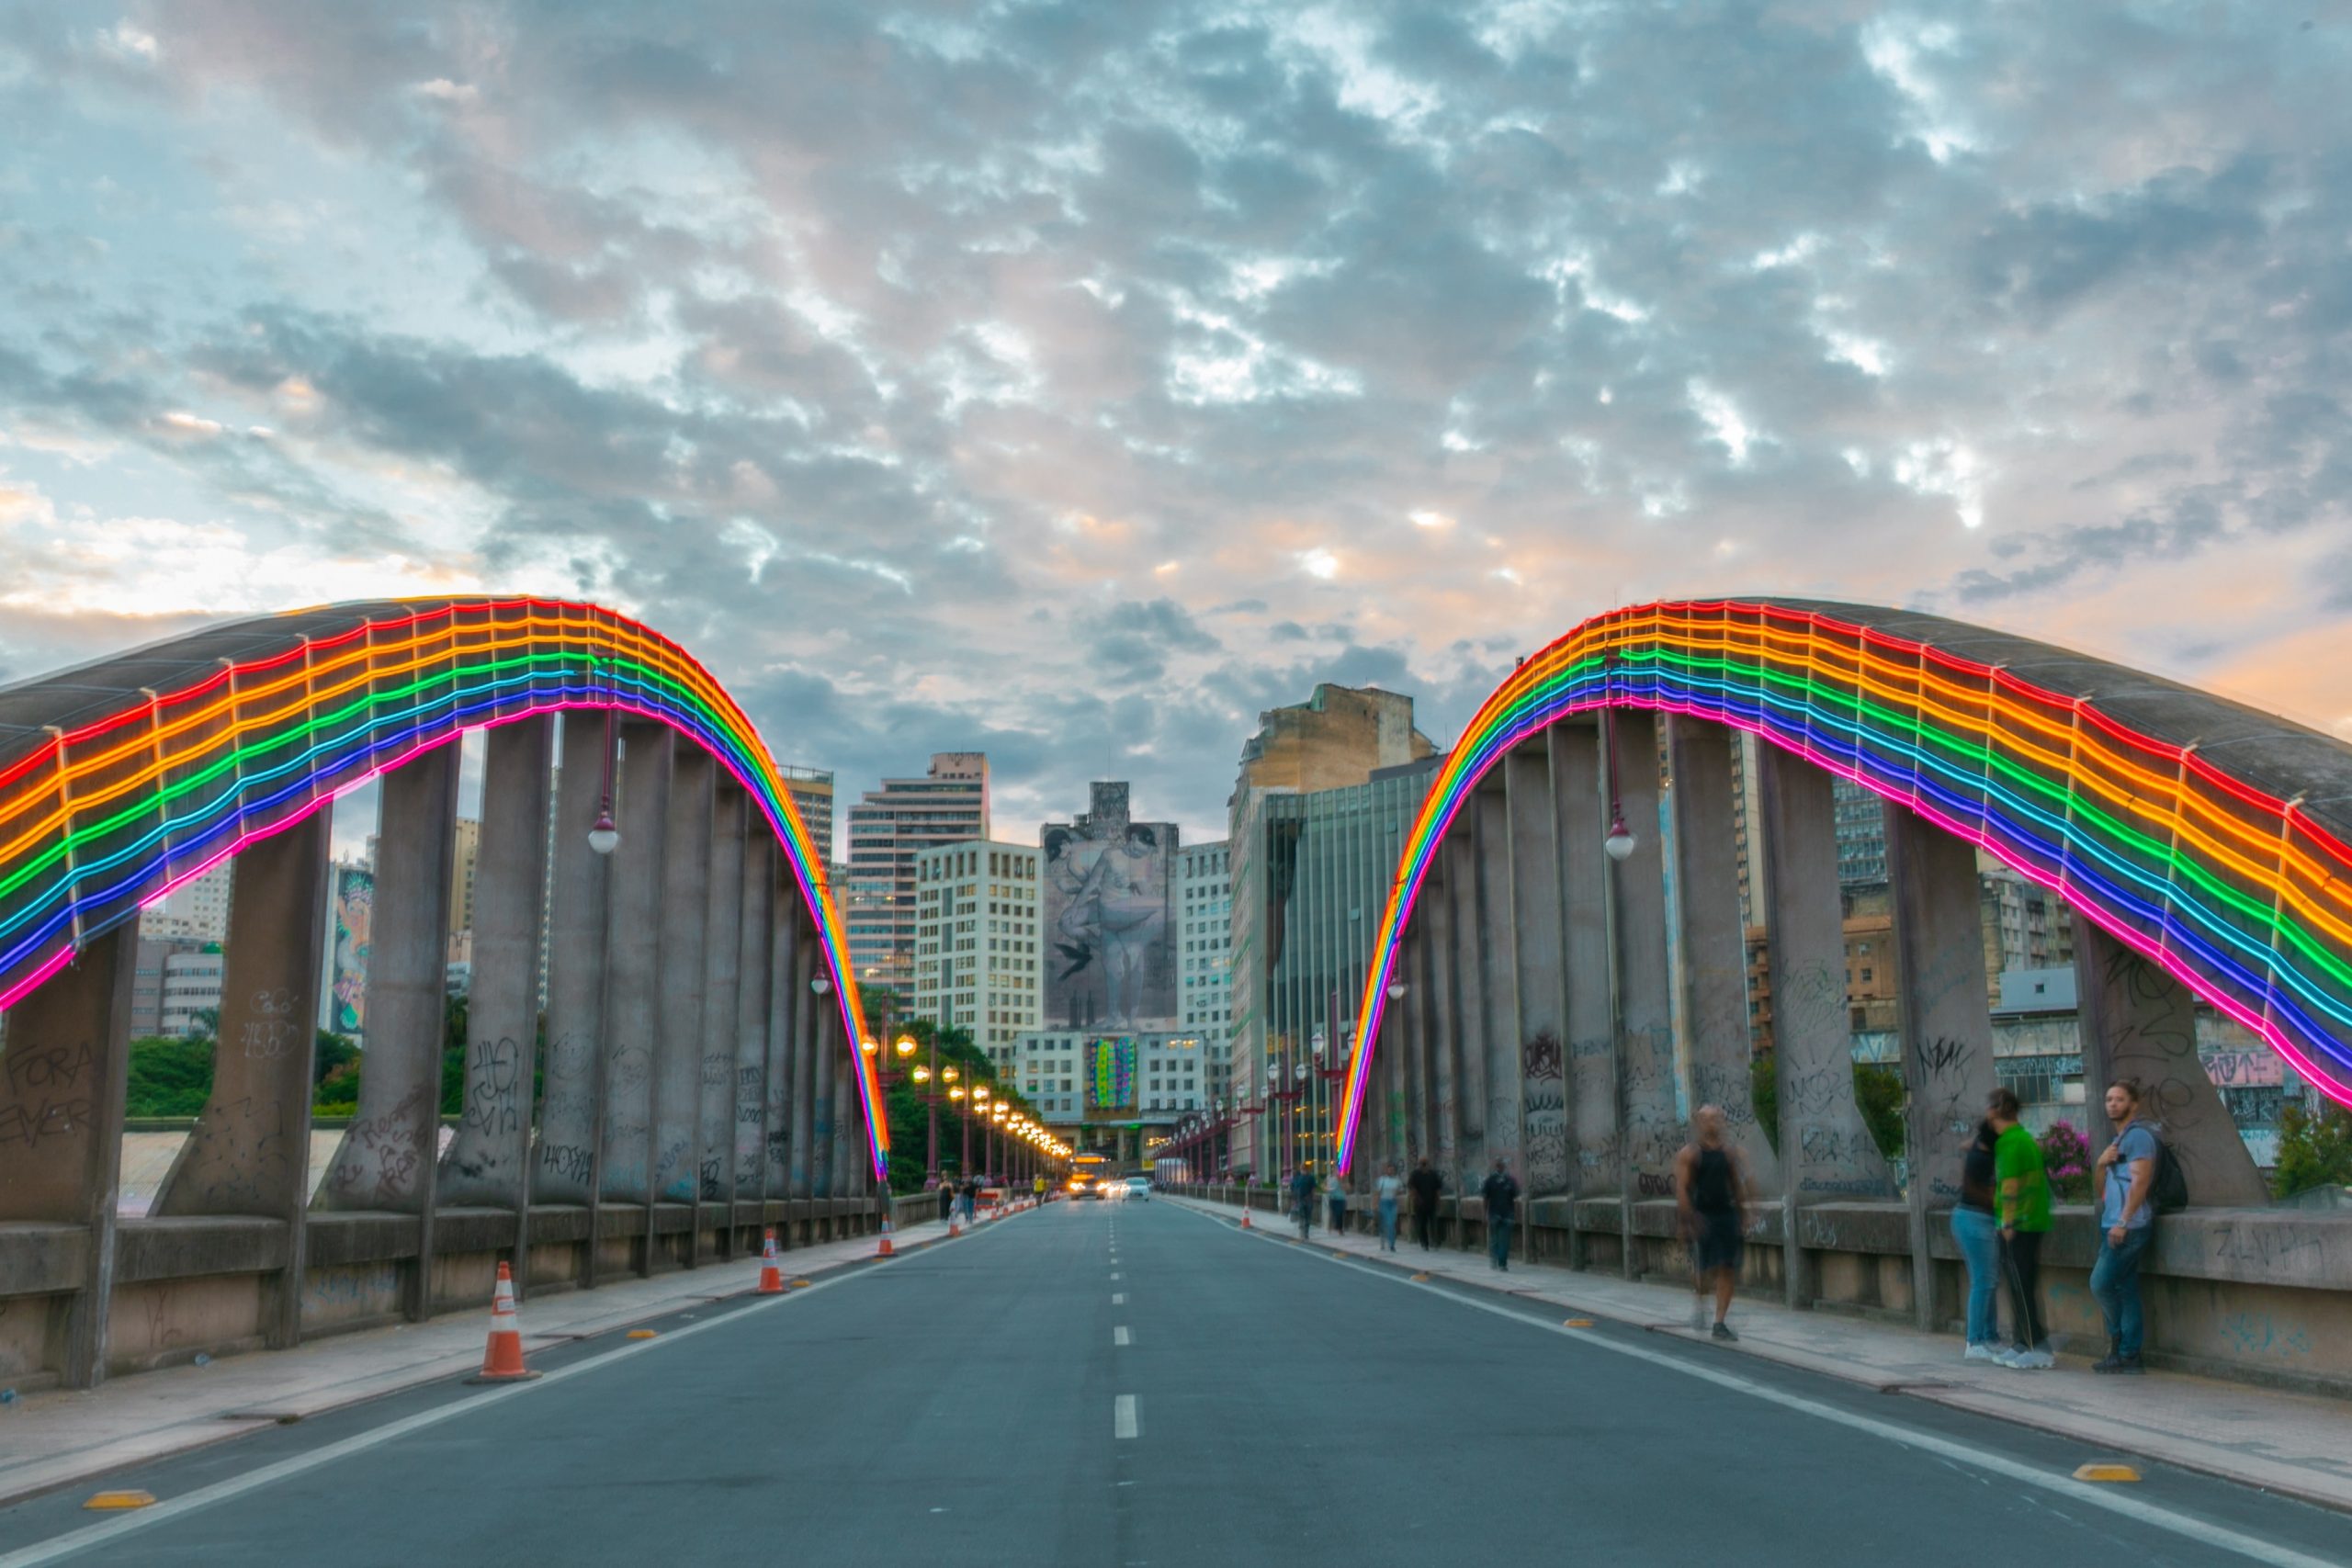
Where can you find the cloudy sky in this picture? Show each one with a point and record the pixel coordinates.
(1075, 381)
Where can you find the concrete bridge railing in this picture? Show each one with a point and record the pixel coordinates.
(683, 1080)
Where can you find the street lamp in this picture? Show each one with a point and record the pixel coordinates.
(604, 837)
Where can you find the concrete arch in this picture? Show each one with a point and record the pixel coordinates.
(2213, 838)
(123, 778)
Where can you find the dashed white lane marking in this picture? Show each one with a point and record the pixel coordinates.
(1118, 1298)
(1115, 1274)
(1125, 1421)
(2095, 1495)
(1119, 1336)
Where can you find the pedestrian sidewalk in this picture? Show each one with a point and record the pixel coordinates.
(2294, 1444)
(55, 1438)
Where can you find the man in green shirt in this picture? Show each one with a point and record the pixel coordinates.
(2021, 1186)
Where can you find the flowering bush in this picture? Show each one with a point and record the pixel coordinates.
(2067, 1155)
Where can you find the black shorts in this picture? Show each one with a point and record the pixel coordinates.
(1719, 1242)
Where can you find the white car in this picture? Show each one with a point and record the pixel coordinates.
(1139, 1188)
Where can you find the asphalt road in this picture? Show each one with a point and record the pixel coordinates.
(1136, 1384)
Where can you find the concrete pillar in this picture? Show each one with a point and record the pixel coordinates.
(826, 1082)
(1826, 1152)
(571, 1090)
(1651, 1115)
(722, 978)
(249, 1153)
(1412, 1013)
(1442, 1015)
(1538, 951)
(61, 1124)
(633, 964)
(808, 1010)
(2138, 1022)
(1470, 1029)
(678, 1041)
(489, 1159)
(387, 1158)
(786, 986)
(755, 955)
(1595, 1165)
(1713, 938)
(1499, 975)
(846, 1122)
(1947, 1030)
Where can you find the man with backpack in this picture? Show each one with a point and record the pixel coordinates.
(2126, 1177)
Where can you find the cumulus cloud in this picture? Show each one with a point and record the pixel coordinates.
(1078, 381)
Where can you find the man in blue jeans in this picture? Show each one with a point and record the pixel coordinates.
(1501, 1195)
(2127, 1170)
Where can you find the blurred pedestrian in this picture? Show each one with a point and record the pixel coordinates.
(1387, 1189)
(1977, 1229)
(946, 1200)
(2126, 1171)
(1339, 1201)
(1711, 1197)
(2023, 1192)
(1500, 1192)
(1425, 1184)
(971, 1198)
(1301, 1201)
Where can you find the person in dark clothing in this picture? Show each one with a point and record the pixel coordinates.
(1711, 1197)
(1424, 1184)
(1500, 1192)
(1336, 1196)
(946, 1199)
(1301, 1201)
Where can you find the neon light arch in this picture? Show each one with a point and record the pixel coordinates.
(2236, 879)
(120, 779)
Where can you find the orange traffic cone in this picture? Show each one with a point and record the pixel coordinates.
(1245, 1220)
(501, 1361)
(771, 1269)
(954, 1229)
(884, 1250)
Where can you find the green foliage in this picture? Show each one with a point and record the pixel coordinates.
(169, 1078)
(1878, 1091)
(2314, 1149)
(455, 1015)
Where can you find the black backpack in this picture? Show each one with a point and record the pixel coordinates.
(2168, 1193)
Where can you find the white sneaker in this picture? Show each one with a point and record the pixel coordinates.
(1982, 1353)
(2033, 1360)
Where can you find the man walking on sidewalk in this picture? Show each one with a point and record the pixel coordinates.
(2127, 1170)
(1301, 1201)
(1711, 1195)
(1425, 1184)
(1339, 1201)
(1500, 1194)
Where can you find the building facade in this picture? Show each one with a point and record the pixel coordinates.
(1114, 1094)
(191, 992)
(1326, 794)
(1204, 959)
(977, 942)
(812, 796)
(1110, 915)
(888, 828)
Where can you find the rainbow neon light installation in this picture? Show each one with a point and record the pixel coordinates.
(204, 746)
(2242, 895)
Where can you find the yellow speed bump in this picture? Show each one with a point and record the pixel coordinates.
(800, 1284)
(643, 1334)
(2096, 1472)
(1421, 1278)
(1576, 1323)
(110, 1500)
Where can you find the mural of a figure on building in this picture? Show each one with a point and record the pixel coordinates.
(1109, 957)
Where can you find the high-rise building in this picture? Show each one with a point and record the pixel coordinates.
(1860, 817)
(1114, 1093)
(467, 854)
(888, 828)
(977, 942)
(1204, 940)
(812, 795)
(1109, 910)
(191, 989)
(1326, 792)
(147, 980)
(198, 908)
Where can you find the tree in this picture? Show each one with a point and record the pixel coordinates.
(2314, 1149)
(168, 1077)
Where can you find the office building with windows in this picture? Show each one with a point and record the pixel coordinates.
(977, 944)
(888, 828)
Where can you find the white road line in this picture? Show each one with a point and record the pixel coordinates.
(2096, 1495)
(1119, 1336)
(1124, 1422)
(74, 1543)
(1115, 1274)
(1118, 1298)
